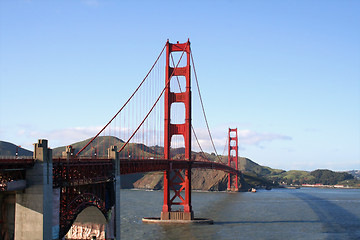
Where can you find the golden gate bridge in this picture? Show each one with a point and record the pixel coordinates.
(158, 113)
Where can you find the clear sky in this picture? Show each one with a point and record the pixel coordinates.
(285, 73)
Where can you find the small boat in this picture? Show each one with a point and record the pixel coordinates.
(253, 190)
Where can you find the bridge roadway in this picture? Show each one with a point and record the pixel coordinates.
(80, 171)
(82, 182)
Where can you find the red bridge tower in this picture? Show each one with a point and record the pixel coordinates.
(179, 181)
(233, 159)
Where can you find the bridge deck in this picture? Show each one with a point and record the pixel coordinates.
(81, 171)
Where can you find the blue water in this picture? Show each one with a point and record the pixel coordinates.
(305, 213)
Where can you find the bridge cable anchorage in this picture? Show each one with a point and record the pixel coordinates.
(157, 100)
(132, 95)
(202, 106)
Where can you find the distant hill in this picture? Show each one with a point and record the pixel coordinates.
(322, 176)
(8, 149)
(355, 173)
(328, 177)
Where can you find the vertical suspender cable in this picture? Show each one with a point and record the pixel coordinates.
(157, 100)
(124, 104)
(202, 106)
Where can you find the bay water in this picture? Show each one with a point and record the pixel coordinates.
(306, 213)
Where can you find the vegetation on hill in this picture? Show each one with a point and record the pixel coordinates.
(8, 149)
(355, 173)
(328, 177)
(290, 177)
(324, 176)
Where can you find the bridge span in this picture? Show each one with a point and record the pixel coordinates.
(72, 184)
(51, 192)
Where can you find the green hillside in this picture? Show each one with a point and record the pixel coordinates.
(328, 177)
(320, 176)
(8, 149)
(102, 144)
(291, 177)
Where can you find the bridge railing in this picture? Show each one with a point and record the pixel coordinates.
(16, 162)
(87, 170)
(128, 166)
(16, 157)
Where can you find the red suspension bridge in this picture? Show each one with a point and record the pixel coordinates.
(158, 118)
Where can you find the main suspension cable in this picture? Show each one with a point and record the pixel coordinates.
(157, 100)
(132, 95)
(192, 127)
(202, 106)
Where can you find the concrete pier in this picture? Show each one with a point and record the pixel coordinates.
(114, 155)
(34, 205)
(178, 221)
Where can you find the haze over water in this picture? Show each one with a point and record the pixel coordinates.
(277, 214)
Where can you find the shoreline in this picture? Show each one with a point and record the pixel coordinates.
(317, 186)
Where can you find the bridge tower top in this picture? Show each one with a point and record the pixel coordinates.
(42, 152)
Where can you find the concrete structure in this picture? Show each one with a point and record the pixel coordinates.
(34, 206)
(7, 215)
(114, 154)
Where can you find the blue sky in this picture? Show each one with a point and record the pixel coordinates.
(285, 73)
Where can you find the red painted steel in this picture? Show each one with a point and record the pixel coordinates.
(233, 184)
(82, 182)
(74, 199)
(128, 166)
(82, 171)
(173, 178)
(16, 162)
(87, 182)
(75, 171)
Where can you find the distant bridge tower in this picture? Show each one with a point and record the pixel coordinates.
(233, 160)
(175, 179)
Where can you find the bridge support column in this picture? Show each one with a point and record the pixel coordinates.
(177, 180)
(114, 154)
(34, 206)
